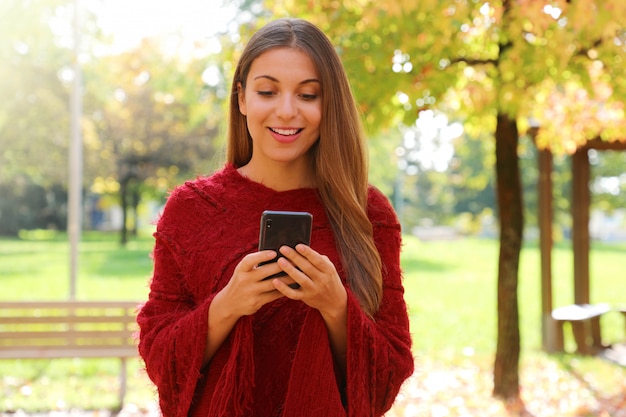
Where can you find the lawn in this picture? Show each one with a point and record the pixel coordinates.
(450, 290)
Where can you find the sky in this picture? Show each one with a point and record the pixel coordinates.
(130, 21)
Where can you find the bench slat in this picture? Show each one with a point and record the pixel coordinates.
(69, 352)
(577, 312)
(66, 334)
(70, 329)
(73, 319)
(67, 329)
(27, 343)
(37, 305)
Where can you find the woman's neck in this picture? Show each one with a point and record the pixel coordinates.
(279, 177)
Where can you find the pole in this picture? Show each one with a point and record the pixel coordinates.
(74, 220)
(549, 338)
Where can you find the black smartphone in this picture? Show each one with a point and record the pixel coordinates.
(280, 228)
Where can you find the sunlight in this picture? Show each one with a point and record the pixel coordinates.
(127, 23)
(428, 145)
(552, 11)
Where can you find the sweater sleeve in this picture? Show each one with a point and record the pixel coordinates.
(173, 328)
(379, 349)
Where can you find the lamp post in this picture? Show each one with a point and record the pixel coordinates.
(74, 220)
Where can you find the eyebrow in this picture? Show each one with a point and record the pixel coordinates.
(274, 79)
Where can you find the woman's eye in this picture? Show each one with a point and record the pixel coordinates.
(265, 93)
(309, 97)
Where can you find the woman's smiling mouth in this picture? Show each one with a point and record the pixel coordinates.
(285, 132)
(285, 135)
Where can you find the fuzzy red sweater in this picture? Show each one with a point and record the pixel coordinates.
(277, 362)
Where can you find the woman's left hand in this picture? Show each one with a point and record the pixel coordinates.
(320, 285)
(320, 288)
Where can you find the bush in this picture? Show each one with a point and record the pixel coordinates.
(25, 205)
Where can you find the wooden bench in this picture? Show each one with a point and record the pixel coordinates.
(585, 322)
(70, 329)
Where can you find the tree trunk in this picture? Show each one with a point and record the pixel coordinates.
(124, 204)
(136, 199)
(511, 217)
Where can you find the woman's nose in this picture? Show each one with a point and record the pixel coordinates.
(286, 107)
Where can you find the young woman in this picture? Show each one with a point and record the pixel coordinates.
(220, 340)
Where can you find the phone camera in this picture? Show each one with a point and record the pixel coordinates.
(268, 223)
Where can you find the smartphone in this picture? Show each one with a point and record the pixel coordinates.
(280, 228)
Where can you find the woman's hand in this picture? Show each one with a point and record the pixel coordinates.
(247, 290)
(320, 285)
(245, 293)
(322, 289)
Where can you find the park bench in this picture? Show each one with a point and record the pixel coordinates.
(70, 329)
(585, 323)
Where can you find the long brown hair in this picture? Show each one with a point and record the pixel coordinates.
(339, 156)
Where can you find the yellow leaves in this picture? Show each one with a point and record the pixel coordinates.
(398, 8)
(105, 185)
(531, 14)
(617, 10)
(582, 14)
(465, 388)
(596, 20)
(491, 55)
(569, 115)
(475, 92)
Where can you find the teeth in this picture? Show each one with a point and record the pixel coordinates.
(286, 132)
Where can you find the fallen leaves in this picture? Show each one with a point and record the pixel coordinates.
(549, 388)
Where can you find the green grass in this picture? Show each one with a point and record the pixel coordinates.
(450, 291)
(37, 267)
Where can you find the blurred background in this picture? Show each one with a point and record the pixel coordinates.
(155, 79)
(121, 101)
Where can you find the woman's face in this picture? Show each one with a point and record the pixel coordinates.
(283, 106)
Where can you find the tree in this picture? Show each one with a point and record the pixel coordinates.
(35, 73)
(495, 62)
(33, 116)
(152, 120)
(149, 119)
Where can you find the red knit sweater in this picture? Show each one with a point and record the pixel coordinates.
(277, 362)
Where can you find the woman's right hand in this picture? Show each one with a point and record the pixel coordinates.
(246, 291)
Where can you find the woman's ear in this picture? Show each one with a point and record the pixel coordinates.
(241, 98)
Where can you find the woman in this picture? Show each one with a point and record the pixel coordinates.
(216, 337)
